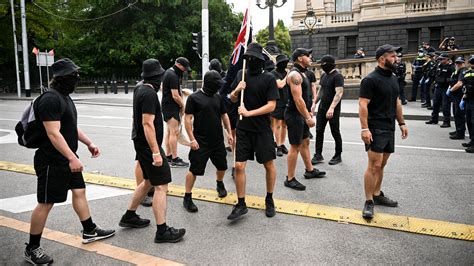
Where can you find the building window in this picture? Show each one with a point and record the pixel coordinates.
(343, 6)
(435, 36)
(351, 43)
(332, 44)
(413, 40)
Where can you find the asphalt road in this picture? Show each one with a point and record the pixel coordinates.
(430, 175)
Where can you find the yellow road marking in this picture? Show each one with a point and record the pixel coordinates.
(97, 247)
(341, 215)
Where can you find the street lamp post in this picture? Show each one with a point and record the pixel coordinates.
(272, 48)
(311, 23)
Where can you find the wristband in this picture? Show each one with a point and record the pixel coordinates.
(401, 124)
(365, 129)
(193, 141)
(156, 154)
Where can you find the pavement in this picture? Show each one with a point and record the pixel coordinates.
(430, 175)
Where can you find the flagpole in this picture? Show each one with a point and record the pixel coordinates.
(247, 33)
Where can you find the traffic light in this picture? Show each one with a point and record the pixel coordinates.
(197, 42)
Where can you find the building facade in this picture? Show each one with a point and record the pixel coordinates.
(345, 25)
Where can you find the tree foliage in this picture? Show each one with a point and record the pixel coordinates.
(282, 37)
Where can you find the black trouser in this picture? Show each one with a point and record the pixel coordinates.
(441, 100)
(401, 88)
(321, 122)
(416, 81)
(469, 104)
(459, 115)
(426, 90)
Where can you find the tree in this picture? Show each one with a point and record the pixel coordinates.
(282, 37)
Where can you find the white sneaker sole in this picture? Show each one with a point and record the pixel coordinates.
(90, 240)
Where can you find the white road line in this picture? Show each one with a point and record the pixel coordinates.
(101, 126)
(400, 146)
(27, 203)
(105, 117)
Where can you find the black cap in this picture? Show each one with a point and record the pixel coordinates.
(381, 50)
(426, 43)
(151, 67)
(452, 38)
(300, 52)
(254, 49)
(459, 60)
(63, 67)
(361, 49)
(213, 80)
(327, 59)
(184, 62)
(471, 60)
(215, 64)
(443, 56)
(281, 58)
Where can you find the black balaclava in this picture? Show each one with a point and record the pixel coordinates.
(328, 67)
(178, 71)
(155, 81)
(67, 84)
(255, 65)
(281, 67)
(215, 65)
(212, 82)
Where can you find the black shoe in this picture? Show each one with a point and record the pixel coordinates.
(314, 174)
(311, 135)
(425, 105)
(171, 235)
(221, 191)
(279, 152)
(431, 122)
(228, 149)
(284, 149)
(178, 162)
(368, 211)
(269, 208)
(404, 102)
(412, 100)
(169, 158)
(335, 160)
(429, 108)
(189, 205)
(238, 211)
(470, 149)
(317, 158)
(384, 201)
(134, 222)
(96, 234)
(147, 201)
(37, 256)
(453, 133)
(445, 125)
(467, 144)
(456, 136)
(294, 184)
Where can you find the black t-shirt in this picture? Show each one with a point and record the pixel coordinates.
(170, 82)
(329, 83)
(207, 111)
(261, 88)
(51, 108)
(283, 92)
(312, 79)
(305, 91)
(145, 101)
(381, 87)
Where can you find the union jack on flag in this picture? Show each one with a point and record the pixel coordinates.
(240, 43)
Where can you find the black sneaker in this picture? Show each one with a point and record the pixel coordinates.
(37, 256)
(279, 152)
(169, 158)
(384, 201)
(431, 122)
(134, 222)
(429, 107)
(317, 158)
(453, 133)
(269, 208)
(221, 191)
(228, 149)
(467, 144)
(96, 234)
(445, 125)
(171, 235)
(238, 211)
(368, 211)
(456, 136)
(425, 105)
(147, 201)
(294, 184)
(314, 174)
(189, 205)
(284, 149)
(178, 162)
(470, 149)
(404, 102)
(311, 135)
(335, 160)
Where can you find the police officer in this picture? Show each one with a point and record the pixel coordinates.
(426, 81)
(400, 72)
(467, 103)
(443, 75)
(417, 73)
(455, 92)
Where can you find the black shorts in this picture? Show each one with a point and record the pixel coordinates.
(168, 114)
(298, 130)
(260, 144)
(383, 141)
(199, 158)
(158, 175)
(54, 181)
(278, 113)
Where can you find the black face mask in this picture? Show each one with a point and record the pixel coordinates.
(155, 82)
(328, 67)
(68, 84)
(254, 65)
(281, 67)
(210, 90)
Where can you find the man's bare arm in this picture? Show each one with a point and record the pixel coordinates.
(295, 81)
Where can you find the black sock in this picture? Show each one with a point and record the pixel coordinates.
(34, 241)
(130, 214)
(88, 225)
(188, 195)
(241, 201)
(151, 192)
(269, 195)
(161, 228)
(291, 179)
(220, 183)
(370, 201)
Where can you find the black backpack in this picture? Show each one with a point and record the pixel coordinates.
(30, 131)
